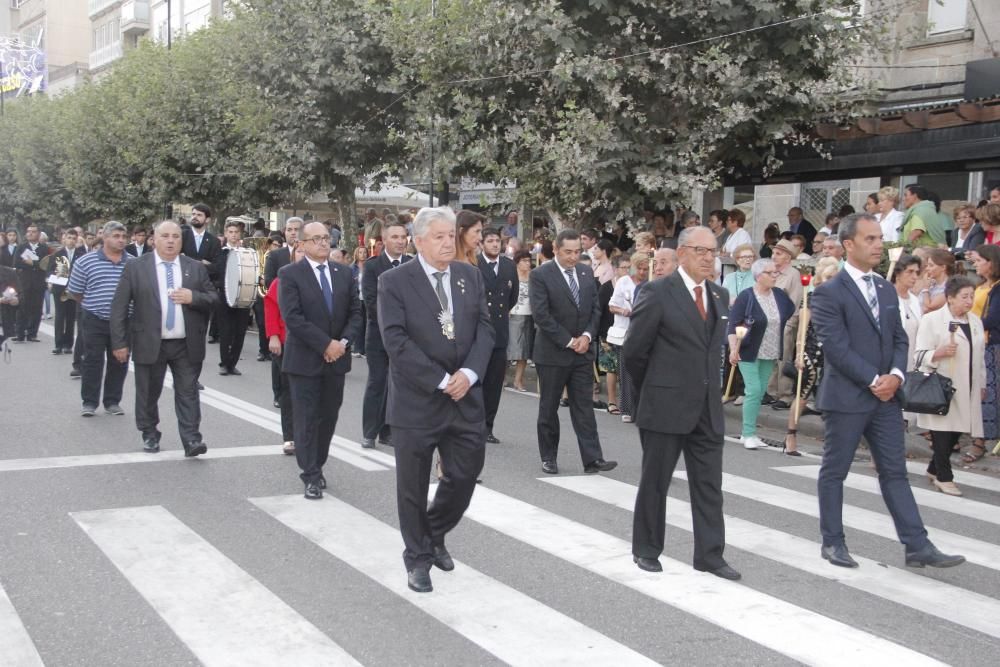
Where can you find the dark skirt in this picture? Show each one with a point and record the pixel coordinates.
(991, 404)
(522, 337)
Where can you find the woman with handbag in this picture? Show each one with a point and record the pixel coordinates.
(763, 310)
(951, 340)
(625, 295)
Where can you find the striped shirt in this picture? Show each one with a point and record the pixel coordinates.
(96, 278)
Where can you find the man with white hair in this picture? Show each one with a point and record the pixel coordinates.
(437, 334)
(282, 256)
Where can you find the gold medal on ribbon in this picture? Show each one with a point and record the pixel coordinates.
(447, 324)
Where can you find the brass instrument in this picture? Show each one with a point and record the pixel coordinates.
(260, 246)
(62, 271)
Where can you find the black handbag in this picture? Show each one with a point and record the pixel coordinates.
(927, 393)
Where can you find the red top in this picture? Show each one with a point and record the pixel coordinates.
(989, 237)
(273, 322)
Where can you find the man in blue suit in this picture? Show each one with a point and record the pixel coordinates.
(857, 320)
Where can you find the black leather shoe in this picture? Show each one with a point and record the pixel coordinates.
(223, 371)
(75, 373)
(600, 465)
(767, 400)
(647, 564)
(150, 446)
(201, 387)
(57, 350)
(276, 404)
(930, 555)
(34, 339)
(780, 405)
(261, 357)
(563, 403)
(723, 572)
(194, 449)
(442, 559)
(419, 580)
(492, 439)
(322, 482)
(368, 443)
(839, 556)
(234, 371)
(213, 340)
(550, 468)
(313, 492)
(385, 440)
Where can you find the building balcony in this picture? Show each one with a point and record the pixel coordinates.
(135, 17)
(95, 7)
(105, 55)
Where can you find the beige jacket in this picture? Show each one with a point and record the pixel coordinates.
(965, 414)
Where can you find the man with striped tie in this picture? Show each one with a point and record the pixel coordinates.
(160, 315)
(857, 320)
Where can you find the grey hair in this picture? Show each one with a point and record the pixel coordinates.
(427, 215)
(112, 226)
(688, 216)
(688, 232)
(848, 228)
(297, 219)
(760, 266)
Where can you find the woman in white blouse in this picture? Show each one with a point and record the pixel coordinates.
(889, 219)
(624, 297)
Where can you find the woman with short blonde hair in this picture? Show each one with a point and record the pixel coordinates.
(889, 217)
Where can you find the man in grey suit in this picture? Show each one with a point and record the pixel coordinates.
(437, 333)
(672, 349)
(567, 312)
(857, 320)
(170, 297)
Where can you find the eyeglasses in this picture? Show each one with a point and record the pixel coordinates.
(742, 257)
(770, 273)
(319, 239)
(702, 251)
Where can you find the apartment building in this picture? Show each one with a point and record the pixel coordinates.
(58, 28)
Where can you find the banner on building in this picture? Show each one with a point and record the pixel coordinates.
(22, 68)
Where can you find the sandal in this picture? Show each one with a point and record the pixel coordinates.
(970, 456)
(613, 409)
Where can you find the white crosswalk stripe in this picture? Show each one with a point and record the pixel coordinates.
(906, 588)
(225, 616)
(858, 518)
(817, 640)
(16, 647)
(962, 478)
(972, 509)
(509, 624)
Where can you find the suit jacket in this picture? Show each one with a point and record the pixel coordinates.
(7, 256)
(140, 290)
(210, 249)
(674, 356)
(78, 252)
(309, 326)
(420, 354)
(501, 296)
(807, 230)
(557, 317)
(374, 268)
(855, 348)
(31, 272)
(274, 261)
(133, 250)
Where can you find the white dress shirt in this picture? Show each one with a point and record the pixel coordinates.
(495, 263)
(161, 280)
(429, 271)
(198, 239)
(736, 239)
(858, 276)
(690, 284)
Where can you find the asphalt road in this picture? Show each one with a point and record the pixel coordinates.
(111, 557)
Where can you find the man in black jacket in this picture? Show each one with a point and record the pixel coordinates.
(500, 279)
(31, 278)
(8, 311)
(233, 321)
(373, 421)
(65, 318)
(199, 243)
(567, 314)
(322, 313)
(283, 255)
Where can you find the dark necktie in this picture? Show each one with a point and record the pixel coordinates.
(395, 263)
(573, 287)
(325, 284)
(493, 267)
(872, 296)
(700, 302)
(439, 288)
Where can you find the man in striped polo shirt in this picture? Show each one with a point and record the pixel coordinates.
(93, 282)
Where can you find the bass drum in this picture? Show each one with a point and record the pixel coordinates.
(242, 269)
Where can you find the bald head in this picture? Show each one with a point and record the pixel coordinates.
(167, 240)
(316, 238)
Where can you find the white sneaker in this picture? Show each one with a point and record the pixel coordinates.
(753, 442)
(627, 419)
(739, 400)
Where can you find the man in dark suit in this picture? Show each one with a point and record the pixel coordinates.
(671, 350)
(233, 321)
(65, 317)
(567, 315)
(797, 224)
(500, 279)
(170, 298)
(202, 245)
(373, 422)
(138, 246)
(283, 255)
(857, 320)
(438, 336)
(31, 279)
(322, 313)
(8, 311)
